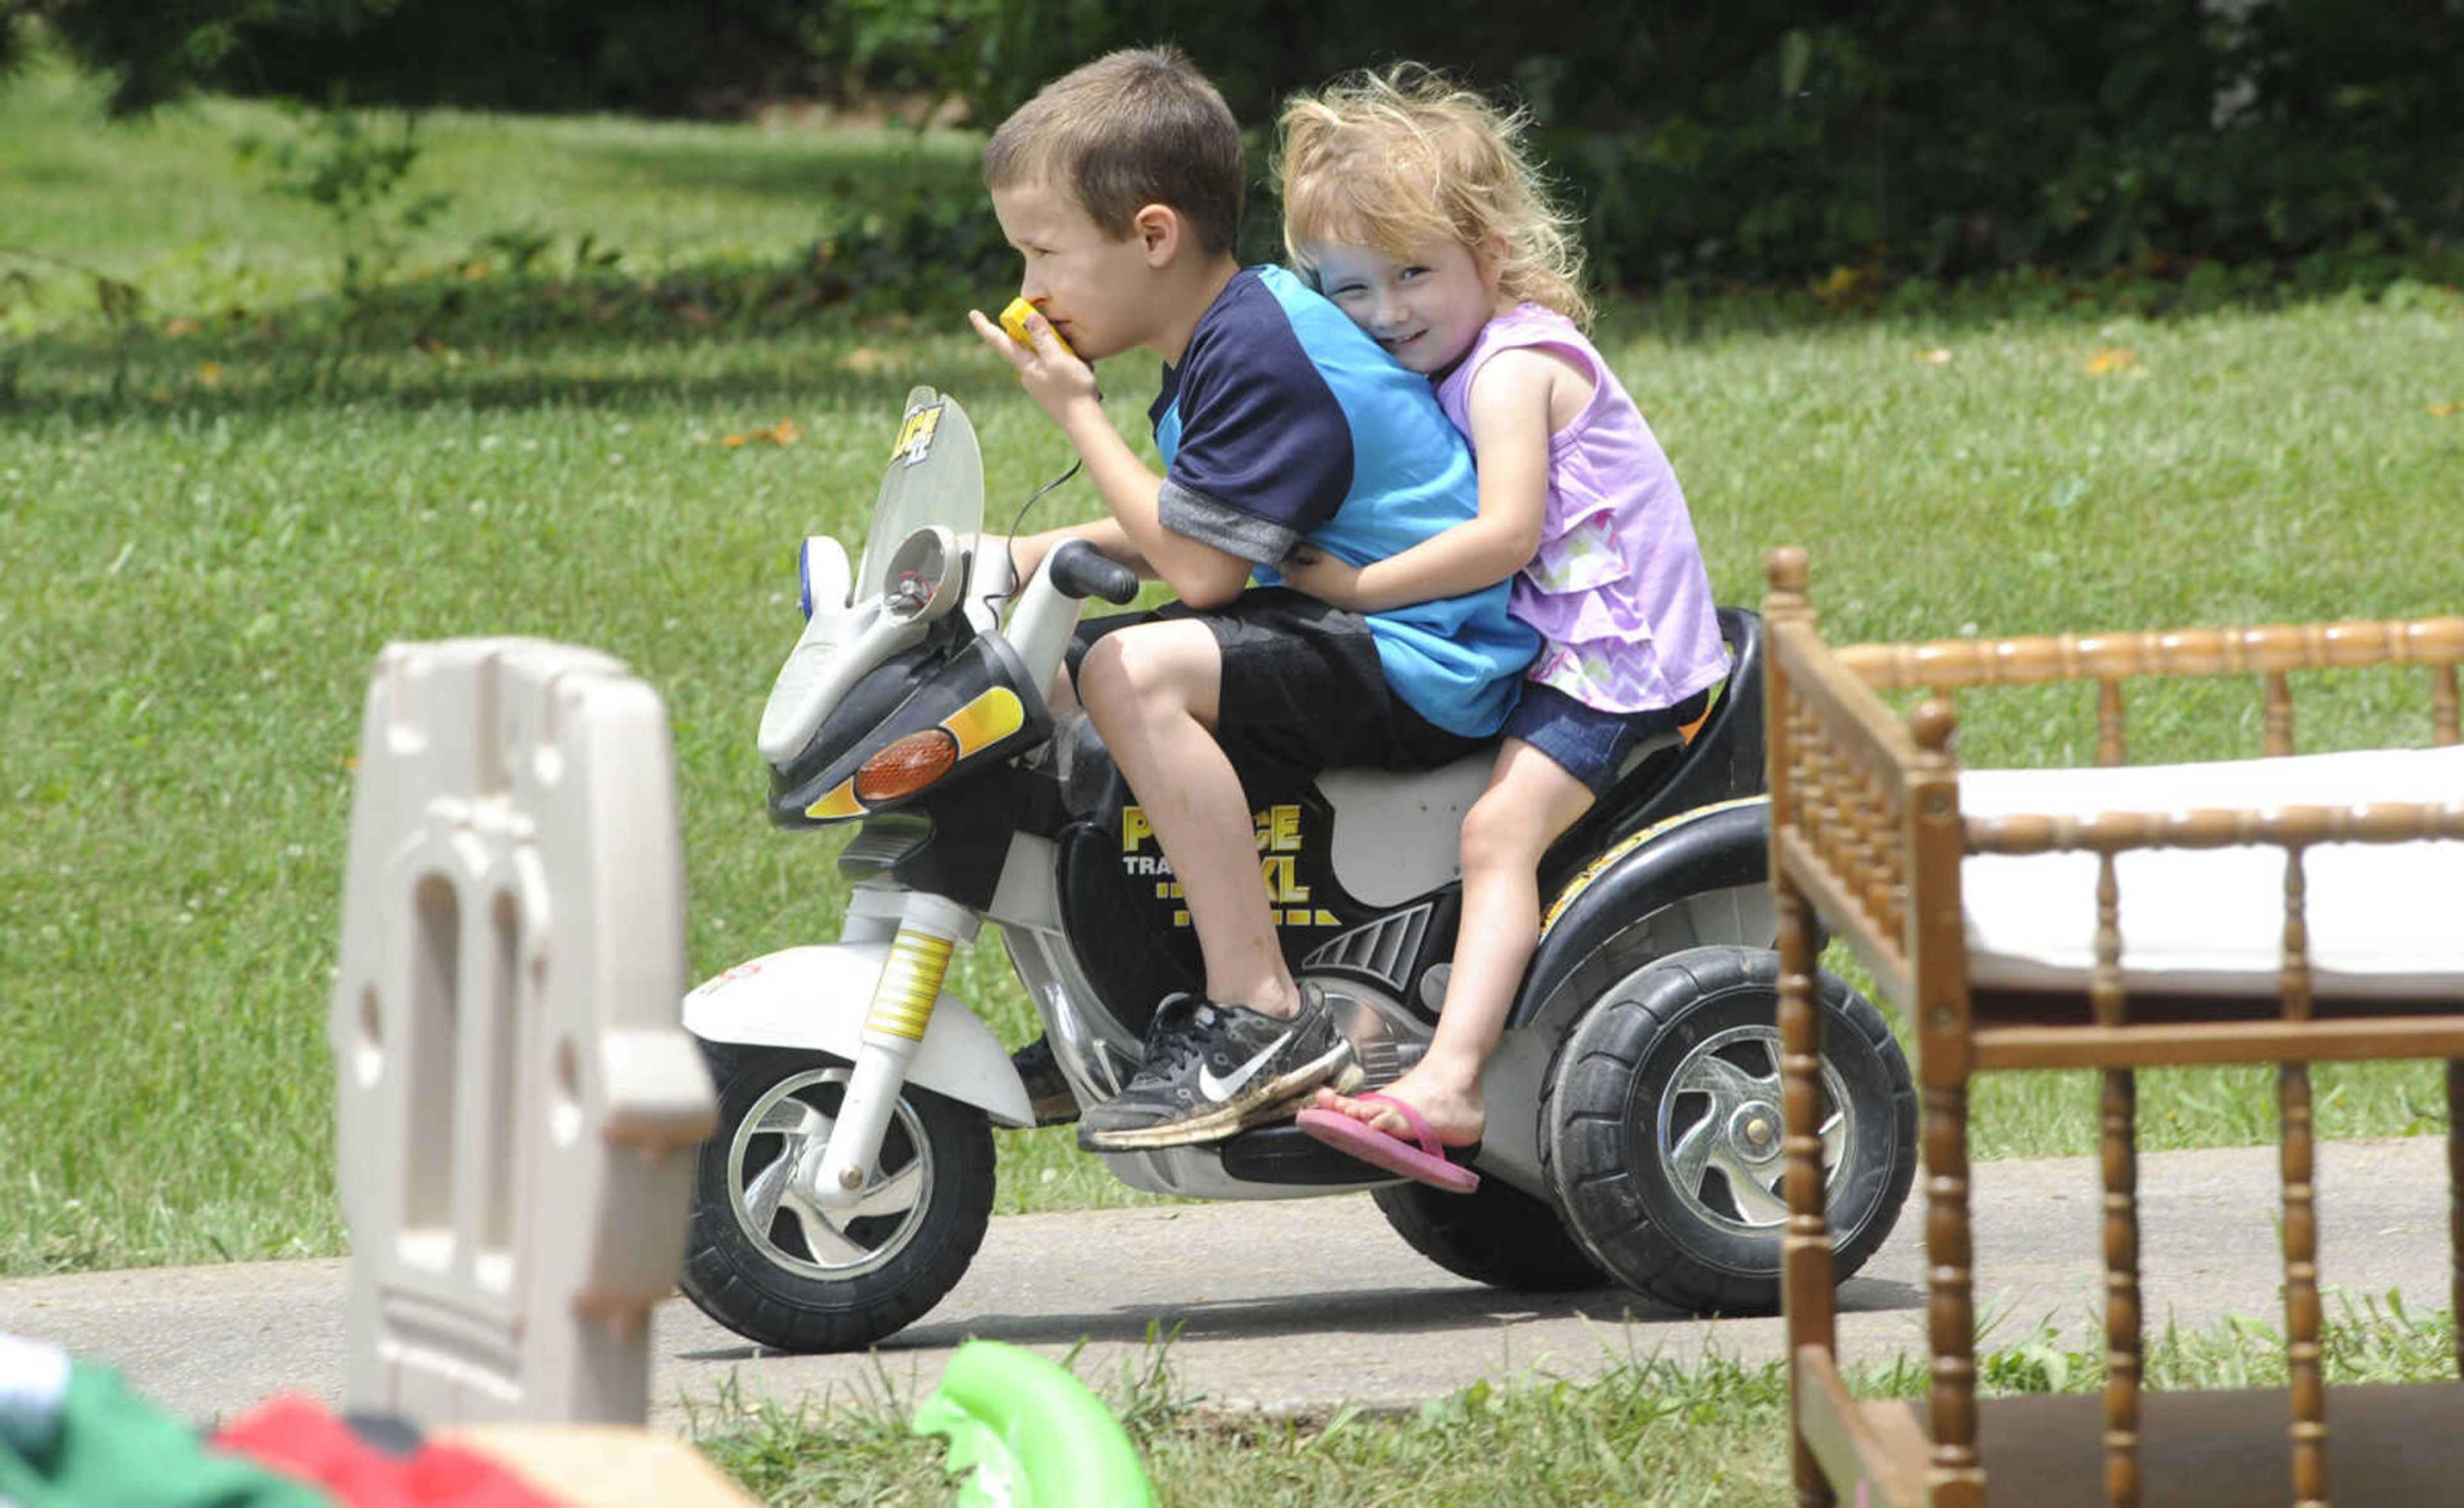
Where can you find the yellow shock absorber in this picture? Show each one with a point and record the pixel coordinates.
(910, 981)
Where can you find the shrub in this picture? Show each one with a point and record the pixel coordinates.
(1762, 141)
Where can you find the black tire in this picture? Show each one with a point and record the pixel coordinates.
(1496, 1235)
(1659, 1129)
(895, 1257)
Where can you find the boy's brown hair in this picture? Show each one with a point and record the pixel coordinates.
(1132, 128)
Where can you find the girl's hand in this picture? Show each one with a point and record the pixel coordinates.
(1329, 580)
(1051, 374)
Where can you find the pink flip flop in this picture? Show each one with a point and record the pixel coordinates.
(1425, 1163)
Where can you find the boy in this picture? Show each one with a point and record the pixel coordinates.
(1279, 422)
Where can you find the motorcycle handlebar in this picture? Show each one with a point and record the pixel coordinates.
(1081, 570)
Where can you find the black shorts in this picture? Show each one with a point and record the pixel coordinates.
(1303, 689)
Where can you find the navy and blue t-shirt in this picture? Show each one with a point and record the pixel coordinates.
(1285, 423)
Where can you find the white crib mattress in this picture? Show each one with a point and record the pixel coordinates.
(2385, 919)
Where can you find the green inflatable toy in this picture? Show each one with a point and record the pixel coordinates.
(1031, 1434)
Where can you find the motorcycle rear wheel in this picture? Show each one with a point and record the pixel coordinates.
(1496, 1235)
(782, 1270)
(1660, 1129)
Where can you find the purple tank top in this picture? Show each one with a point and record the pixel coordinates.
(1617, 588)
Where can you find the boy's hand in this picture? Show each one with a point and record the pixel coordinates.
(1329, 580)
(1050, 374)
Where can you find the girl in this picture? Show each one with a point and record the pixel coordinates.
(1408, 203)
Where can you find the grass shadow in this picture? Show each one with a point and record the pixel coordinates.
(1348, 1312)
(179, 397)
(1682, 312)
(721, 330)
(831, 166)
(496, 338)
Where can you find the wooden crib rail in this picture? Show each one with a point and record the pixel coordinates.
(2283, 827)
(1943, 666)
(1952, 664)
(1840, 781)
(1867, 832)
(1864, 814)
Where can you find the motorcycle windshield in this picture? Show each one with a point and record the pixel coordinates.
(937, 475)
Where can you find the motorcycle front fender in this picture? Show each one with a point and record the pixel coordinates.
(814, 999)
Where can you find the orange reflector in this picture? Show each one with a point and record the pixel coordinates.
(906, 766)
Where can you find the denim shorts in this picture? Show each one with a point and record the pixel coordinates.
(1585, 742)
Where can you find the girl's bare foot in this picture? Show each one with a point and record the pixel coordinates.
(1455, 1111)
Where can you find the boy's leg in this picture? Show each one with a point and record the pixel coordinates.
(1530, 799)
(1212, 1065)
(1153, 690)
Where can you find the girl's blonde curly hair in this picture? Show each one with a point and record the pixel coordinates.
(1394, 160)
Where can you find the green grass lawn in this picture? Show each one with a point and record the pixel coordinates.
(213, 516)
(165, 202)
(1649, 1432)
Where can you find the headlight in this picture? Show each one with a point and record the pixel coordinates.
(925, 576)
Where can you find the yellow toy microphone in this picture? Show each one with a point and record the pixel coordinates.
(1014, 320)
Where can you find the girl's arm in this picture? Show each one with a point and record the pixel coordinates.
(1509, 414)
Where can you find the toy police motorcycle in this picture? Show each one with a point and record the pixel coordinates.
(1633, 1130)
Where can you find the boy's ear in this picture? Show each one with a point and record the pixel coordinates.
(1158, 228)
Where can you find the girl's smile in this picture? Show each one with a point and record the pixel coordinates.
(1425, 309)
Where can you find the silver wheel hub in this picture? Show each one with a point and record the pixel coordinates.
(778, 1150)
(1753, 1129)
(1720, 1131)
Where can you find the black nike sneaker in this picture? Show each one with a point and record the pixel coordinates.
(1212, 1069)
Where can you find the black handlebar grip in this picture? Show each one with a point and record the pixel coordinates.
(1082, 571)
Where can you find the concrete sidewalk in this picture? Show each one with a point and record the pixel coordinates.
(1303, 1305)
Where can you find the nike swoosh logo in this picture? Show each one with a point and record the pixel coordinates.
(1219, 1090)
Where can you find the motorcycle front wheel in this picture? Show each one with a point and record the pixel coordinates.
(780, 1269)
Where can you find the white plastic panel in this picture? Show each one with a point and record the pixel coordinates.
(518, 1105)
(1398, 835)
